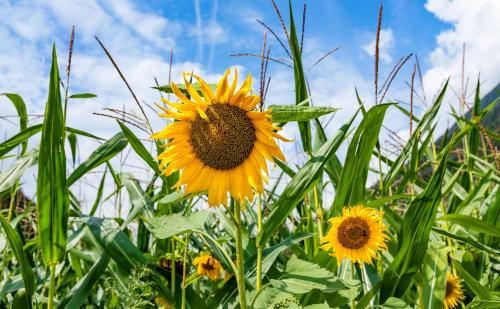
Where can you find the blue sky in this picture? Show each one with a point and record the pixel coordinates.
(204, 33)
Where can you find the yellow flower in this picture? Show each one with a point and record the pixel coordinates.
(218, 141)
(357, 235)
(454, 294)
(206, 265)
(163, 303)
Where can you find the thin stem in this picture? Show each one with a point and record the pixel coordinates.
(259, 248)
(183, 303)
(239, 256)
(319, 212)
(12, 200)
(172, 269)
(353, 302)
(52, 286)
(258, 293)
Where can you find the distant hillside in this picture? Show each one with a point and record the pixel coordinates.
(492, 119)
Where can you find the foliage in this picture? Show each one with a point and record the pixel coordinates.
(440, 200)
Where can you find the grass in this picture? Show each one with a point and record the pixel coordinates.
(440, 200)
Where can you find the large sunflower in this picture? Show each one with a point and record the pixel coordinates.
(218, 141)
(454, 294)
(357, 235)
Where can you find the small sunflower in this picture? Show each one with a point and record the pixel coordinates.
(218, 140)
(357, 235)
(163, 303)
(454, 294)
(208, 266)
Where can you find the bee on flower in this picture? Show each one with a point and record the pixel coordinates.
(206, 265)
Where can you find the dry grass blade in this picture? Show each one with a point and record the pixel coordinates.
(303, 27)
(411, 97)
(395, 72)
(260, 56)
(127, 120)
(377, 41)
(126, 83)
(275, 36)
(324, 56)
(281, 20)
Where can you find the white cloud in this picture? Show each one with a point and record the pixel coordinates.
(386, 44)
(475, 24)
(137, 40)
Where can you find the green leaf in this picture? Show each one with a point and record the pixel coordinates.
(82, 96)
(12, 174)
(413, 236)
(102, 154)
(83, 133)
(72, 144)
(301, 93)
(467, 240)
(17, 247)
(434, 275)
(21, 300)
(426, 121)
(83, 288)
(166, 226)
(396, 303)
(182, 87)
(300, 184)
(99, 194)
(138, 198)
(268, 298)
(289, 113)
(333, 167)
(471, 223)
(115, 243)
(52, 188)
(271, 254)
(351, 187)
(20, 106)
(139, 148)
(301, 277)
(476, 287)
(19, 138)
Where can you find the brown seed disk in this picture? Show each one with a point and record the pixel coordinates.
(353, 233)
(449, 288)
(226, 139)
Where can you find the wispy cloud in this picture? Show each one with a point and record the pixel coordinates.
(198, 30)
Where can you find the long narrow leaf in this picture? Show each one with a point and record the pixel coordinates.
(52, 190)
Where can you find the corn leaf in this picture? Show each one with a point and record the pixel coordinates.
(102, 154)
(17, 247)
(288, 113)
(300, 184)
(301, 93)
(351, 186)
(52, 189)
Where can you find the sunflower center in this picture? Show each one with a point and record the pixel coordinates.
(225, 139)
(449, 288)
(353, 233)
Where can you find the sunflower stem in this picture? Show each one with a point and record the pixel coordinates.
(239, 256)
(259, 248)
(172, 269)
(353, 302)
(319, 213)
(52, 285)
(183, 297)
